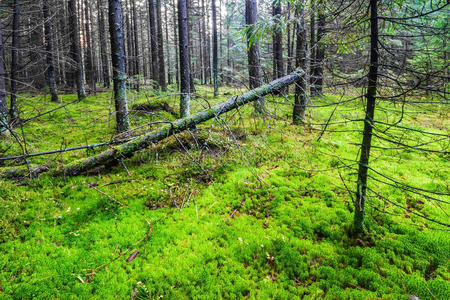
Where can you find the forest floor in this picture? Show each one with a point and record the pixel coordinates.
(240, 208)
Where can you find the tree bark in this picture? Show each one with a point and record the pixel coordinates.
(278, 66)
(49, 50)
(118, 61)
(115, 154)
(153, 42)
(361, 189)
(76, 50)
(300, 62)
(254, 60)
(185, 69)
(320, 52)
(90, 72)
(161, 61)
(103, 47)
(13, 110)
(215, 54)
(136, 46)
(3, 105)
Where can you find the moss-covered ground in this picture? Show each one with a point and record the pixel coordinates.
(256, 208)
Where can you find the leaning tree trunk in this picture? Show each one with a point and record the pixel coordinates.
(185, 69)
(215, 58)
(3, 106)
(162, 68)
(300, 61)
(13, 110)
(76, 50)
(49, 50)
(115, 154)
(361, 189)
(254, 60)
(118, 60)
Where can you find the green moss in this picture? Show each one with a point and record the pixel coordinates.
(267, 226)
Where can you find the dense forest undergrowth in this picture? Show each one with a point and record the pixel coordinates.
(240, 207)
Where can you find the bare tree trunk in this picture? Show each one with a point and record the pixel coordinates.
(49, 50)
(76, 50)
(254, 60)
(90, 78)
(13, 110)
(215, 58)
(136, 46)
(3, 105)
(185, 72)
(320, 52)
(169, 62)
(161, 61)
(118, 61)
(312, 48)
(278, 68)
(361, 189)
(153, 42)
(103, 47)
(177, 64)
(300, 62)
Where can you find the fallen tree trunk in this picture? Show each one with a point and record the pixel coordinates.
(115, 154)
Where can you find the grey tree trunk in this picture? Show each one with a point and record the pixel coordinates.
(278, 66)
(254, 60)
(89, 57)
(115, 154)
(76, 50)
(49, 50)
(215, 55)
(300, 62)
(118, 61)
(361, 188)
(185, 69)
(136, 46)
(320, 52)
(3, 105)
(103, 47)
(153, 42)
(13, 110)
(161, 61)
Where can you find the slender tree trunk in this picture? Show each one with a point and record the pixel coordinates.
(161, 61)
(136, 46)
(177, 64)
(103, 47)
(169, 62)
(76, 50)
(361, 189)
(300, 62)
(118, 61)
(289, 53)
(278, 68)
(254, 59)
(312, 48)
(215, 58)
(49, 50)
(13, 110)
(144, 57)
(185, 72)
(90, 78)
(153, 42)
(320, 51)
(3, 105)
